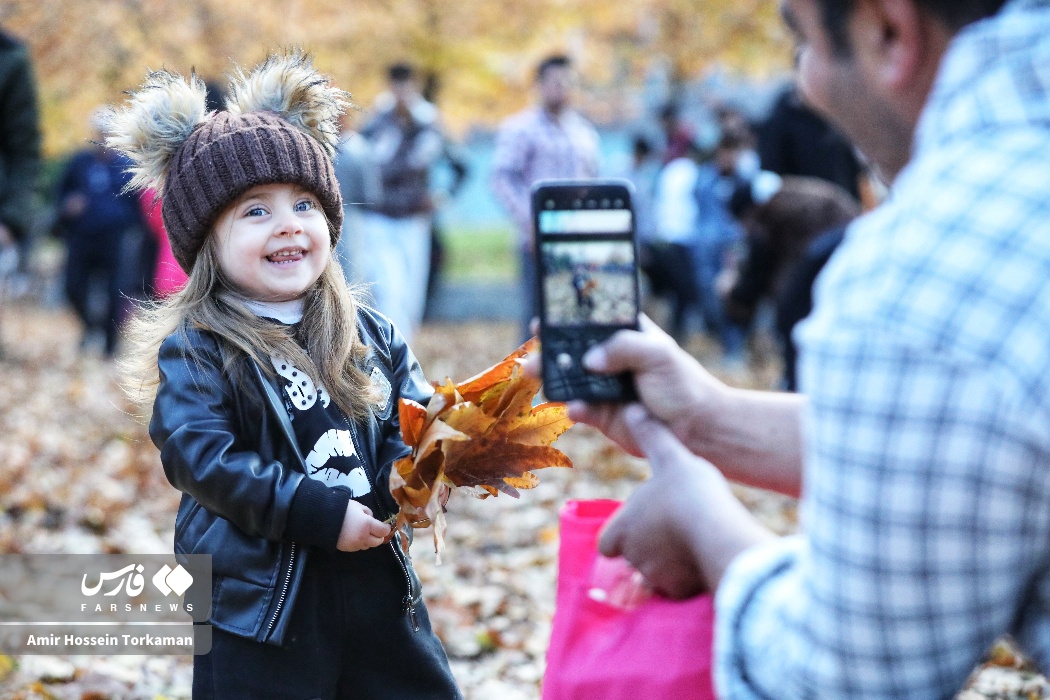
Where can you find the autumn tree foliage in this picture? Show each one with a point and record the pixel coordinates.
(479, 52)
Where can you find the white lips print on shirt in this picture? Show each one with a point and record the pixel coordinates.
(336, 443)
(302, 390)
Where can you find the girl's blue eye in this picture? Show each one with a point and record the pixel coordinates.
(256, 211)
(305, 205)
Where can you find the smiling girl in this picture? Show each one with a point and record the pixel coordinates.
(274, 396)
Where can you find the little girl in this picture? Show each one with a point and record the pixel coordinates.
(275, 396)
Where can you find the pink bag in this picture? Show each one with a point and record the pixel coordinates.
(620, 650)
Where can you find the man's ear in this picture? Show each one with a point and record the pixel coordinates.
(890, 39)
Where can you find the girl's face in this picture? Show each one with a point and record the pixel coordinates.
(273, 242)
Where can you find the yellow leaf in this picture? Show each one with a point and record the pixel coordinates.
(542, 426)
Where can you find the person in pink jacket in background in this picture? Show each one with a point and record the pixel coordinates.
(168, 277)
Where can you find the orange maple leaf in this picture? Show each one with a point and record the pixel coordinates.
(483, 435)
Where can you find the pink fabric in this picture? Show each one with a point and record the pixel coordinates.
(168, 277)
(661, 649)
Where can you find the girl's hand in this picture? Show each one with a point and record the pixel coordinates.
(360, 529)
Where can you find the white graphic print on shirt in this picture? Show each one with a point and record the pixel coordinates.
(333, 443)
(336, 443)
(302, 390)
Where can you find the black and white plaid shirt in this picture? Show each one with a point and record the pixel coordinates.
(926, 510)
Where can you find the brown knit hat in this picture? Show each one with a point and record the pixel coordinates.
(281, 127)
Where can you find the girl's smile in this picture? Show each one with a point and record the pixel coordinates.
(273, 242)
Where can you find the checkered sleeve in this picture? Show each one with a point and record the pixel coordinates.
(923, 514)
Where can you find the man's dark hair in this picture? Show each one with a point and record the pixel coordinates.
(555, 61)
(400, 72)
(955, 14)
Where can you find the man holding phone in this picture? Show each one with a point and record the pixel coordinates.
(922, 445)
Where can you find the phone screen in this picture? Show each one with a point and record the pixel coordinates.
(588, 283)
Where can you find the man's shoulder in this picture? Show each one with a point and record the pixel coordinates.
(524, 121)
(578, 120)
(957, 259)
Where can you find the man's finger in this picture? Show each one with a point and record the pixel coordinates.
(648, 325)
(627, 351)
(530, 364)
(377, 528)
(654, 438)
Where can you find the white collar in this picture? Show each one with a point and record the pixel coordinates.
(284, 311)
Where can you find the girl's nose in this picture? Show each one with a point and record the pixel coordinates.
(289, 224)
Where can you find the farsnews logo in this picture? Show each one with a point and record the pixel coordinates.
(130, 579)
(169, 580)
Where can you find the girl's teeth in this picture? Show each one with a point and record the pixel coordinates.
(284, 255)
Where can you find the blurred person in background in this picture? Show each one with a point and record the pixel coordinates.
(796, 140)
(20, 141)
(97, 218)
(782, 217)
(361, 186)
(667, 259)
(678, 134)
(447, 183)
(405, 139)
(642, 172)
(168, 277)
(719, 235)
(696, 235)
(455, 158)
(549, 140)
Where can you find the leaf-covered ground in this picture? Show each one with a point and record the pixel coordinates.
(78, 474)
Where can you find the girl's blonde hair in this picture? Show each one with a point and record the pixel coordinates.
(209, 302)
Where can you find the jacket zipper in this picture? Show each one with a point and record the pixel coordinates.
(284, 590)
(278, 405)
(407, 605)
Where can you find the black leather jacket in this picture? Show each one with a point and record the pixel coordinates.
(229, 447)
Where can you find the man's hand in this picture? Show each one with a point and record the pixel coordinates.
(752, 436)
(360, 529)
(683, 526)
(670, 383)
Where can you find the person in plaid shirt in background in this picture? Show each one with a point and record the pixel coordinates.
(921, 445)
(549, 140)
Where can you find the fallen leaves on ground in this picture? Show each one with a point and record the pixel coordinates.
(79, 474)
(483, 434)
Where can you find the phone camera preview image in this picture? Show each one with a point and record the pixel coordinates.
(589, 283)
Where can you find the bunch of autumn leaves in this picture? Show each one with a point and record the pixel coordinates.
(483, 436)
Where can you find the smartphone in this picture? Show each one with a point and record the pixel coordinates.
(587, 282)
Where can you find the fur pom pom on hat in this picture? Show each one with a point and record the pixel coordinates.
(281, 126)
